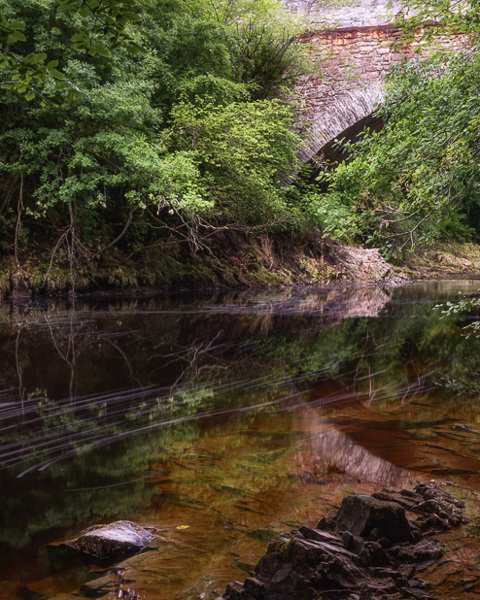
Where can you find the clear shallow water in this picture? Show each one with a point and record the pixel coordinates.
(236, 415)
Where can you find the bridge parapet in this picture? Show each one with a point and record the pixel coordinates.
(345, 13)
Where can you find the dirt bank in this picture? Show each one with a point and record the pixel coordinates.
(232, 260)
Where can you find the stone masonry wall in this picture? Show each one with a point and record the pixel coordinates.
(346, 80)
(345, 13)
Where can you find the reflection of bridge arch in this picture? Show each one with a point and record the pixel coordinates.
(347, 79)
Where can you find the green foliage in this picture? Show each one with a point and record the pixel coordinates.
(333, 214)
(239, 150)
(224, 51)
(442, 17)
(466, 308)
(102, 22)
(268, 58)
(417, 180)
(131, 149)
(99, 26)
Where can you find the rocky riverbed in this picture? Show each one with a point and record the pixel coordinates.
(373, 547)
(390, 545)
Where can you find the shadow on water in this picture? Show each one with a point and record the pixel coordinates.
(235, 415)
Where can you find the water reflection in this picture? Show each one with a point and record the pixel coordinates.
(147, 360)
(218, 413)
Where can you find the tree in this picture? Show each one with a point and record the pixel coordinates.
(442, 17)
(99, 24)
(171, 144)
(417, 180)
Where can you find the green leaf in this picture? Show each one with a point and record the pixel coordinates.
(57, 75)
(99, 49)
(133, 48)
(130, 16)
(16, 36)
(38, 58)
(15, 25)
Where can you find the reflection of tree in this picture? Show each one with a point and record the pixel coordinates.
(76, 339)
(67, 346)
(108, 375)
(71, 337)
(198, 357)
(19, 368)
(42, 426)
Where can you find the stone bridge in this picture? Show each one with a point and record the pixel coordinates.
(349, 62)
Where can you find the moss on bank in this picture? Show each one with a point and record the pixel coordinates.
(447, 259)
(233, 261)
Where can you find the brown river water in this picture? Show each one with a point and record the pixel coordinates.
(223, 420)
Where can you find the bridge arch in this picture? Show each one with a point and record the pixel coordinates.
(346, 81)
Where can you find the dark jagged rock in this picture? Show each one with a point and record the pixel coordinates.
(107, 544)
(371, 518)
(373, 555)
(422, 552)
(328, 521)
(370, 551)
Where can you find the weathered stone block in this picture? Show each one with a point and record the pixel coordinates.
(370, 518)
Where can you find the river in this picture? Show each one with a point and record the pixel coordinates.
(221, 420)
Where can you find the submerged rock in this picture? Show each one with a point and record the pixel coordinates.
(372, 551)
(106, 544)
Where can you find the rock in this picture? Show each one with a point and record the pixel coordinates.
(295, 566)
(375, 554)
(462, 427)
(436, 508)
(328, 521)
(365, 264)
(453, 507)
(234, 590)
(352, 542)
(419, 553)
(107, 544)
(370, 518)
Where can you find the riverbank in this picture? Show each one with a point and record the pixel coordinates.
(233, 261)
